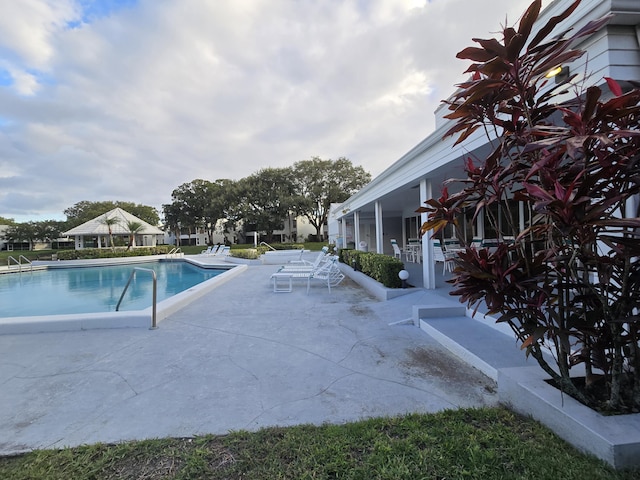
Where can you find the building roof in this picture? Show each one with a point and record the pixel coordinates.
(97, 226)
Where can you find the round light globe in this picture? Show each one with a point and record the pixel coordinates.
(403, 275)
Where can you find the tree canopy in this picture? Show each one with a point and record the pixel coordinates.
(85, 210)
(263, 200)
(319, 183)
(266, 199)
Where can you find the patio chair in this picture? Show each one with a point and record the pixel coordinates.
(396, 249)
(439, 255)
(207, 251)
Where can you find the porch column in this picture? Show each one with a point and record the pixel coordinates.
(379, 232)
(428, 260)
(356, 229)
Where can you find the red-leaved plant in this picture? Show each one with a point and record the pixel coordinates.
(569, 281)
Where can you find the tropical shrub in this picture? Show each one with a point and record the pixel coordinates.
(91, 253)
(382, 268)
(246, 253)
(567, 283)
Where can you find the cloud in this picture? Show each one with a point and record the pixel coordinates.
(126, 100)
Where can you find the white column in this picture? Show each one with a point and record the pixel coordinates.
(379, 232)
(356, 229)
(428, 261)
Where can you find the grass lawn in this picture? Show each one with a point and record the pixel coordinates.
(490, 443)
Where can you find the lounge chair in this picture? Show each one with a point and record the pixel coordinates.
(304, 265)
(207, 251)
(223, 251)
(327, 272)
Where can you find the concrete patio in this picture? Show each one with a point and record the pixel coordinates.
(240, 357)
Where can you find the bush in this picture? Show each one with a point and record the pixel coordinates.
(381, 268)
(91, 253)
(569, 281)
(247, 253)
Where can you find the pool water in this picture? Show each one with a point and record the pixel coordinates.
(58, 291)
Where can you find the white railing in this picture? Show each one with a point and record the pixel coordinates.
(265, 243)
(18, 262)
(155, 289)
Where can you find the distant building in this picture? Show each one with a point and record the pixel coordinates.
(96, 233)
(295, 229)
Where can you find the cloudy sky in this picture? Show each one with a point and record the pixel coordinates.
(128, 99)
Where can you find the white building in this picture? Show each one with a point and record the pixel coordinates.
(98, 233)
(385, 208)
(296, 229)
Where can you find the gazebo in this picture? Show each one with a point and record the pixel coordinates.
(115, 223)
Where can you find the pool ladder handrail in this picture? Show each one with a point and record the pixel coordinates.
(265, 243)
(19, 262)
(174, 252)
(155, 282)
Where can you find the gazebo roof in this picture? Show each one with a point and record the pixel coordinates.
(98, 227)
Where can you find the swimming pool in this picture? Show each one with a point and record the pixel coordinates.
(86, 295)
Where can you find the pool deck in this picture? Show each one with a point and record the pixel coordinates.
(238, 357)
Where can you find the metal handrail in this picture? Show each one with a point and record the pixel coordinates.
(19, 262)
(265, 243)
(155, 281)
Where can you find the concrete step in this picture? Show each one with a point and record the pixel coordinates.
(480, 345)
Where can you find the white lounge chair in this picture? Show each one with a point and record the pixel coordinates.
(304, 265)
(223, 251)
(207, 251)
(327, 271)
(214, 251)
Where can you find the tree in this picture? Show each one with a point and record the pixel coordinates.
(109, 222)
(7, 221)
(266, 199)
(84, 211)
(226, 204)
(134, 227)
(570, 280)
(172, 219)
(190, 203)
(319, 183)
(49, 230)
(21, 232)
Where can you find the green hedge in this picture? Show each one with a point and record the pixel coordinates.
(247, 253)
(87, 253)
(382, 268)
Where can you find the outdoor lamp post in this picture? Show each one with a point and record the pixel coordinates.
(404, 276)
